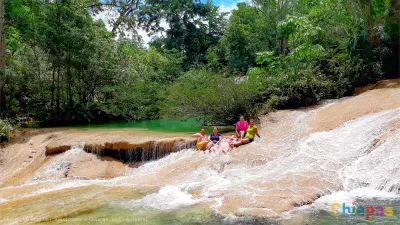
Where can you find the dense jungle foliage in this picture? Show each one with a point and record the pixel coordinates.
(61, 66)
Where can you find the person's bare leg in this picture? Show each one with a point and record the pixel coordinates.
(213, 149)
(209, 146)
(236, 144)
(241, 134)
(245, 141)
(242, 142)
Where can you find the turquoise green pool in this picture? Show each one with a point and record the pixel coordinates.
(163, 125)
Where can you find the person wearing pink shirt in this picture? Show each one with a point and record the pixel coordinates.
(241, 127)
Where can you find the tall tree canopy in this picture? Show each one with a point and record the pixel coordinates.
(58, 65)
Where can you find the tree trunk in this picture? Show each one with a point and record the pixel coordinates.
(367, 8)
(282, 44)
(2, 58)
(282, 38)
(58, 90)
(394, 13)
(52, 89)
(69, 81)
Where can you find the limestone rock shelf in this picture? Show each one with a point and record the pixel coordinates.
(128, 151)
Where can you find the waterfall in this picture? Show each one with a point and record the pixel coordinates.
(142, 152)
(59, 167)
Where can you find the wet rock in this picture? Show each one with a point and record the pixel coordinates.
(48, 138)
(130, 152)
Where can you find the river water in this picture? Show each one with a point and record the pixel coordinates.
(293, 175)
(164, 125)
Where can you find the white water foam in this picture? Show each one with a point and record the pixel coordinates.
(372, 196)
(63, 185)
(379, 169)
(340, 156)
(54, 185)
(169, 197)
(154, 166)
(179, 194)
(60, 165)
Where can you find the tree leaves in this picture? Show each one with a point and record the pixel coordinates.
(302, 36)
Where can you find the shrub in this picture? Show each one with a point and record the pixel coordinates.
(31, 124)
(5, 130)
(206, 95)
(292, 88)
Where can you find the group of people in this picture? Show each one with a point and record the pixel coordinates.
(245, 133)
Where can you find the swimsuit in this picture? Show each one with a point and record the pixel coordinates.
(200, 143)
(250, 133)
(215, 138)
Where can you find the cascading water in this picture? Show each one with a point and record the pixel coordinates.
(291, 176)
(58, 168)
(146, 151)
(345, 159)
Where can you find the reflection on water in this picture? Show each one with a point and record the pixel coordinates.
(163, 125)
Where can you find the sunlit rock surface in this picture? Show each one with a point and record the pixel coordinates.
(304, 156)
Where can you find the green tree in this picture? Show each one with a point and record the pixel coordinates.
(2, 56)
(302, 37)
(193, 26)
(245, 35)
